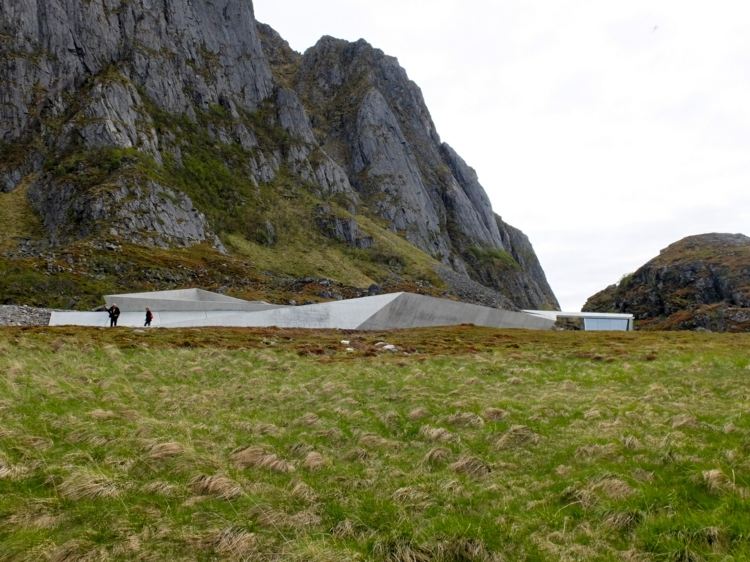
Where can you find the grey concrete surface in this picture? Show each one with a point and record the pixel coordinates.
(381, 312)
(184, 300)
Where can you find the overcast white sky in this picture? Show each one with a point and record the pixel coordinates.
(604, 129)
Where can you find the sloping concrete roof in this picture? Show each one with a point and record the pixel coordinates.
(185, 300)
(382, 312)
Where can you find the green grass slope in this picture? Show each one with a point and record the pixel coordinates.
(466, 444)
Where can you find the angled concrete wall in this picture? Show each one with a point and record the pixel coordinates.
(381, 312)
(413, 311)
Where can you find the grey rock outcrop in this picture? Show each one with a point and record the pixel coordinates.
(700, 281)
(149, 213)
(343, 229)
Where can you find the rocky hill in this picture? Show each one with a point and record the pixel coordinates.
(699, 282)
(158, 144)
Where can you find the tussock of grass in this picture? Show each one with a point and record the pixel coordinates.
(257, 457)
(471, 466)
(437, 434)
(160, 451)
(314, 461)
(465, 419)
(86, 484)
(517, 436)
(216, 485)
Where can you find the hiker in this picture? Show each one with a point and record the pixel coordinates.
(149, 317)
(114, 314)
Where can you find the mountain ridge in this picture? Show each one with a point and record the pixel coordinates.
(189, 124)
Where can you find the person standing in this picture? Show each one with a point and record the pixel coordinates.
(149, 317)
(114, 314)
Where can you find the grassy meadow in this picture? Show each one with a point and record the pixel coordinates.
(464, 444)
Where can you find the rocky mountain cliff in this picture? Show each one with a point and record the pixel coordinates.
(175, 124)
(699, 282)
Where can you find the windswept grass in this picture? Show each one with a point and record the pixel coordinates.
(466, 444)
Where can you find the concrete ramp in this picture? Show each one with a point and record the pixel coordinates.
(184, 300)
(415, 311)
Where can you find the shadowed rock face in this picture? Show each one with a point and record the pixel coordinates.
(343, 120)
(699, 282)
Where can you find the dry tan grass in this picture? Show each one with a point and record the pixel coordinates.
(596, 451)
(622, 520)
(592, 414)
(304, 492)
(344, 530)
(276, 519)
(314, 461)
(495, 414)
(257, 457)
(631, 443)
(517, 436)
(437, 434)
(267, 429)
(471, 466)
(103, 414)
(436, 456)
(309, 419)
(612, 487)
(216, 485)
(465, 419)
(684, 420)
(401, 552)
(159, 451)
(86, 484)
(12, 472)
(412, 497)
(231, 543)
(75, 550)
(464, 549)
(716, 481)
(418, 414)
(356, 454)
(161, 488)
(36, 517)
(375, 441)
(334, 434)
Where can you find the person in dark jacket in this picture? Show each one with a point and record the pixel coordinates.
(149, 317)
(114, 314)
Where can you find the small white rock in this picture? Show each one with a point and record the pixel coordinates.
(390, 347)
(345, 342)
(350, 350)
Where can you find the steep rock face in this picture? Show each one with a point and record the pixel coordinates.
(373, 120)
(699, 282)
(166, 122)
(183, 54)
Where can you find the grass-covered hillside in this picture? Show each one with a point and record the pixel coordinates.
(465, 444)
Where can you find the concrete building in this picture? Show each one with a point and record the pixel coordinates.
(589, 321)
(196, 308)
